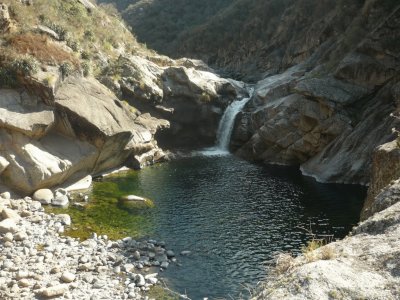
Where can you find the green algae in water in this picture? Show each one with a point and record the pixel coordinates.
(107, 214)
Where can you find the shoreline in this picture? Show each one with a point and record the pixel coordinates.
(38, 262)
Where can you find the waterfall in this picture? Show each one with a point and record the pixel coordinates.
(225, 127)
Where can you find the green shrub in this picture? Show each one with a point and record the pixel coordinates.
(26, 65)
(85, 55)
(66, 69)
(89, 35)
(74, 45)
(86, 68)
(8, 78)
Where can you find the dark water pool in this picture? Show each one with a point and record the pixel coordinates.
(232, 215)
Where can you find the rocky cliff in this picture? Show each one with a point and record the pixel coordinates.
(328, 116)
(328, 70)
(76, 100)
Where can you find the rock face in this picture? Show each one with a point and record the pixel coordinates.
(190, 98)
(6, 24)
(327, 120)
(363, 265)
(385, 169)
(85, 129)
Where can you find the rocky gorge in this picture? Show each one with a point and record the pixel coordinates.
(323, 102)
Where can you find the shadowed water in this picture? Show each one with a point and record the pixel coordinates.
(232, 215)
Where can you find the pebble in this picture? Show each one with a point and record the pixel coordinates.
(139, 280)
(44, 196)
(24, 283)
(20, 236)
(8, 225)
(136, 255)
(10, 214)
(8, 237)
(5, 195)
(164, 264)
(60, 198)
(67, 277)
(170, 253)
(36, 262)
(54, 291)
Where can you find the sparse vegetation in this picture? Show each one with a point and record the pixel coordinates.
(50, 80)
(25, 65)
(66, 69)
(85, 38)
(284, 262)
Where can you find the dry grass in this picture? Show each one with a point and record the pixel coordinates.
(42, 48)
(284, 262)
(327, 252)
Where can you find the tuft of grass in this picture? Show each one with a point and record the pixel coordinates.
(284, 262)
(328, 252)
(50, 80)
(159, 293)
(40, 247)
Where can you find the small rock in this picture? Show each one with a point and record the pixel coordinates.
(20, 236)
(164, 264)
(129, 267)
(8, 225)
(139, 280)
(8, 244)
(185, 253)
(98, 284)
(136, 255)
(22, 274)
(35, 206)
(170, 253)
(54, 291)
(23, 282)
(5, 195)
(60, 198)
(8, 237)
(55, 270)
(152, 280)
(10, 214)
(44, 196)
(67, 277)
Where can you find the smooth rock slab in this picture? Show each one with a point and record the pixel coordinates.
(44, 196)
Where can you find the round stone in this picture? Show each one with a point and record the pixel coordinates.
(44, 196)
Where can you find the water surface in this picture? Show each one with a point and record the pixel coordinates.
(232, 215)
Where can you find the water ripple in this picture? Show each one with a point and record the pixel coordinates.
(234, 216)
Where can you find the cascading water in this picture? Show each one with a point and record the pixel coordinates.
(225, 127)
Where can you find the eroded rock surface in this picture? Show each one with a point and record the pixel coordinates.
(182, 92)
(86, 131)
(327, 120)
